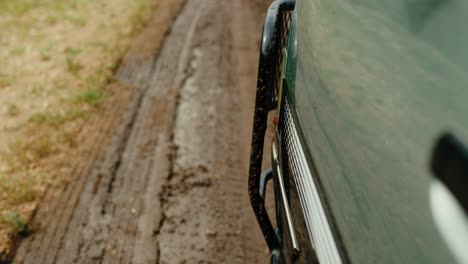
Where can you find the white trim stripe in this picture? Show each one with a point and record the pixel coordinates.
(314, 213)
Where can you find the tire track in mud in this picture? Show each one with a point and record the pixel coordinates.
(201, 200)
(207, 214)
(170, 185)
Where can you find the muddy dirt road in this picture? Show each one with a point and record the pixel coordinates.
(170, 184)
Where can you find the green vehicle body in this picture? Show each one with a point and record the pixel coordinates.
(372, 85)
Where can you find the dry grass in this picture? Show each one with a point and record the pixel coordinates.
(56, 58)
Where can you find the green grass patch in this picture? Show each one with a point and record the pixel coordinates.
(77, 21)
(101, 76)
(13, 110)
(33, 149)
(6, 81)
(18, 51)
(73, 66)
(137, 19)
(72, 51)
(18, 7)
(37, 89)
(91, 96)
(16, 189)
(14, 221)
(57, 119)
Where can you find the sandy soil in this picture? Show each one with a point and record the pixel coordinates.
(167, 182)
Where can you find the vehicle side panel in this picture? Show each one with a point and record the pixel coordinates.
(372, 95)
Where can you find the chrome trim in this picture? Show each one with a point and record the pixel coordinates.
(284, 198)
(316, 220)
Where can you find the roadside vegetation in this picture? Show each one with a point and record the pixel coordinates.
(57, 57)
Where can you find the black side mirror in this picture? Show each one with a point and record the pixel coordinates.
(450, 165)
(449, 193)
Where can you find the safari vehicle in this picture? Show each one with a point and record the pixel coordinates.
(370, 100)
